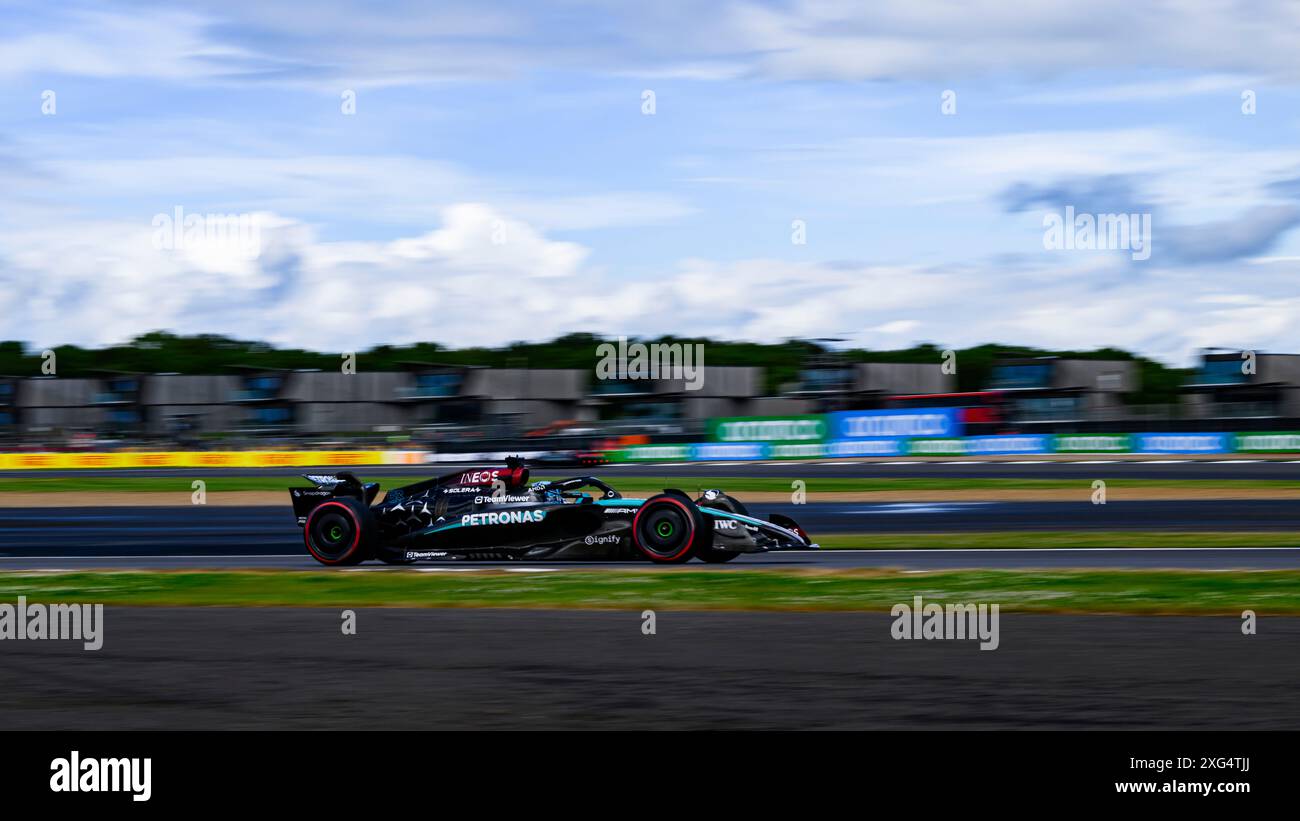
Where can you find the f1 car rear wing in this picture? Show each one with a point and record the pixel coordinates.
(328, 487)
(322, 479)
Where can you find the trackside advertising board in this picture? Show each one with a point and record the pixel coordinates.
(653, 453)
(1183, 442)
(1269, 442)
(1028, 443)
(721, 451)
(891, 432)
(1092, 443)
(796, 450)
(902, 424)
(801, 428)
(798, 436)
(695, 452)
(850, 448)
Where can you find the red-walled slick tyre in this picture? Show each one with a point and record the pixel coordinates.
(668, 529)
(339, 531)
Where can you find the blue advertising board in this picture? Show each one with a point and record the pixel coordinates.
(720, 451)
(849, 448)
(910, 423)
(1183, 442)
(1007, 445)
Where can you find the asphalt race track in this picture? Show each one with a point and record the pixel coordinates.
(290, 668)
(201, 536)
(267, 536)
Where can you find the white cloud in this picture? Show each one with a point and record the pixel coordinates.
(363, 243)
(898, 326)
(99, 283)
(1141, 92)
(1194, 179)
(942, 40)
(296, 42)
(162, 44)
(352, 189)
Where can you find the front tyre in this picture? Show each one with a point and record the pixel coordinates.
(669, 529)
(339, 531)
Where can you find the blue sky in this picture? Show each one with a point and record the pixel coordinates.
(499, 179)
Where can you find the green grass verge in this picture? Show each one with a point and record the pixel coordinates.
(635, 484)
(1054, 539)
(1138, 592)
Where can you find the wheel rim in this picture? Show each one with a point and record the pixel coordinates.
(332, 533)
(665, 531)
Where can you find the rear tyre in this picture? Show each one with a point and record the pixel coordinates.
(669, 529)
(339, 531)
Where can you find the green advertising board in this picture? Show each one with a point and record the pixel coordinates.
(797, 450)
(1269, 442)
(936, 447)
(796, 429)
(652, 453)
(1092, 443)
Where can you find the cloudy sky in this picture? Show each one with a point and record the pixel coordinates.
(505, 174)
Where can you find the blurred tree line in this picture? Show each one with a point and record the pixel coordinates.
(163, 352)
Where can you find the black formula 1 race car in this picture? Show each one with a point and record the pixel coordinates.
(495, 513)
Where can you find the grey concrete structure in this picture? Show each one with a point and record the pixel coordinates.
(1050, 390)
(777, 406)
(892, 378)
(1242, 385)
(326, 402)
(723, 391)
(9, 414)
(527, 398)
(828, 382)
(715, 391)
(53, 403)
(201, 404)
(499, 401)
(1261, 392)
